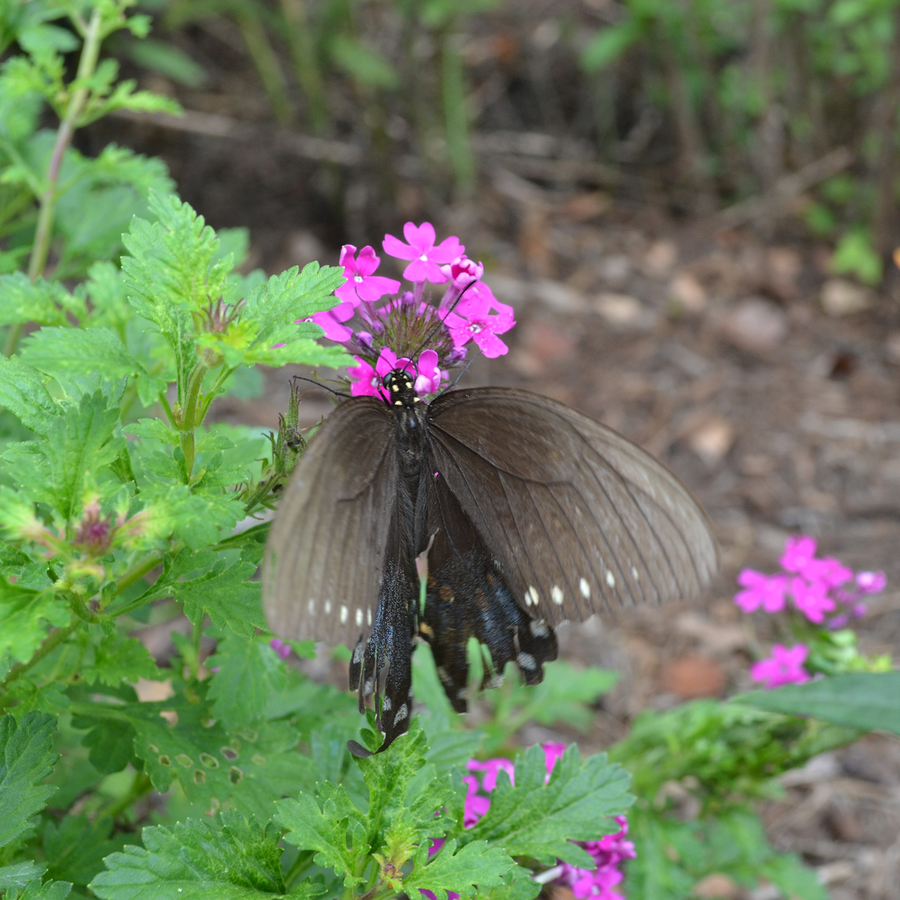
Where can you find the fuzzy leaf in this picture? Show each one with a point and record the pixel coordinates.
(249, 672)
(26, 616)
(467, 871)
(44, 302)
(534, 819)
(19, 875)
(58, 350)
(192, 860)
(333, 827)
(74, 848)
(23, 393)
(26, 758)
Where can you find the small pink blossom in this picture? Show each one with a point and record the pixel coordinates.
(282, 648)
(785, 666)
(428, 379)
(362, 285)
(426, 258)
(829, 571)
(761, 590)
(811, 599)
(798, 551)
(871, 582)
(331, 320)
(471, 320)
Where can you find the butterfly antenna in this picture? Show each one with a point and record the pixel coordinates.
(319, 384)
(462, 372)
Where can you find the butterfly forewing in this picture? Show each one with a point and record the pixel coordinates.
(580, 519)
(326, 550)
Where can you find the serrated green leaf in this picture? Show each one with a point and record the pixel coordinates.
(26, 758)
(118, 658)
(218, 770)
(25, 618)
(468, 870)
(59, 350)
(197, 519)
(18, 875)
(41, 301)
(155, 429)
(23, 393)
(195, 861)
(110, 744)
(227, 595)
(249, 672)
(74, 848)
(49, 890)
(538, 820)
(332, 827)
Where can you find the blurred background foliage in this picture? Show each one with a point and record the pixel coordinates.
(400, 106)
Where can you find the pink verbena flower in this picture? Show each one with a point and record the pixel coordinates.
(871, 582)
(761, 590)
(282, 648)
(608, 853)
(331, 320)
(828, 571)
(362, 285)
(472, 320)
(798, 551)
(811, 598)
(785, 666)
(426, 258)
(428, 374)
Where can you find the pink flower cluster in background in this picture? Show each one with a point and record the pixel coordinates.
(467, 311)
(823, 590)
(608, 852)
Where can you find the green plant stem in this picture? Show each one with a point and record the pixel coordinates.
(140, 786)
(192, 416)
(140, 569)
(51, 642)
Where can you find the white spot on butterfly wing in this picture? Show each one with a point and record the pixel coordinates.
(526, 661)
(386, 705)
(556, 594)
(531, 597)
(368, 616)
(635, 574)
(538, 628)
(344, 613)
(402, 713)
(585, 589)
(359, 618)
(311, 607)
(610, 579)
(327, 607)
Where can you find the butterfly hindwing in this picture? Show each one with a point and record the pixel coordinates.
(468, 597)
(580, 519)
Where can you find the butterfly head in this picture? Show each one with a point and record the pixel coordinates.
(400, 387)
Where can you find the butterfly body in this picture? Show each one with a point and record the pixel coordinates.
(531, 514)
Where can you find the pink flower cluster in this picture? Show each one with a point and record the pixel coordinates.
(824, 591)
(608, 852)
(468, 310)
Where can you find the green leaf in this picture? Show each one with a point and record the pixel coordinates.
(194, 861)
(26, 617)
(247, 770)
(363, 63)
(466, 871)
(869, 701)
(197, 519)
(59, 350)
(332, 827)
(19, 875)
(49, 890)
(75, 847)
(26, 758)
(23, 393)
(227, 595)
(41, 301)
(118, 658)
(249, 672)
(534, 819)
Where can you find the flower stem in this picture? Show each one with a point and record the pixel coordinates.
(193, 416)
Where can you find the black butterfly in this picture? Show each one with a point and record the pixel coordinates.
(532, 514)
